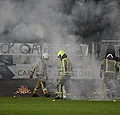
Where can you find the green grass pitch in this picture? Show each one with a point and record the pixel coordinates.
(46, 106)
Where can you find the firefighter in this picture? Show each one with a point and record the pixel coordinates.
(40, 69)
(65, 75)
(109, 70)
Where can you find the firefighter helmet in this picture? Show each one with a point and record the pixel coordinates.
(60, 53)
(45, 56)
(110, 56)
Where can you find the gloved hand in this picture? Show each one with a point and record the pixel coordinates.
(30, 76)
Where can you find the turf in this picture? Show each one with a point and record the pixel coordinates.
(45, 106)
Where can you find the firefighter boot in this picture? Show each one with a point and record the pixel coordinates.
(46, 94)
(35, 92)
(58, 97)
(35, 95)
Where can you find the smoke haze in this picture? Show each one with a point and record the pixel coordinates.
(59, 21)
(30, 21)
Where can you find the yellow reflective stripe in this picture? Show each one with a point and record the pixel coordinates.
(106, 61)
(62, 68)
(36, 89)
(63, 65)
(104, 86)
(33, 69)
(114, 65)
(34, 66)
(111, 71)
(42, 85)
(60, 90)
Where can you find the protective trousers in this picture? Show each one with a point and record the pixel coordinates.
(110, 80)
(40, 83)
(66, 83)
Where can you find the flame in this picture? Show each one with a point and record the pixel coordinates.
(23, 90)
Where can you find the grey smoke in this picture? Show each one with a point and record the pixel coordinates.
(48, 20)
(32, 20)
(59, 21)
(94, 21)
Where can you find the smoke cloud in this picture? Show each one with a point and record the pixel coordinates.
(94, 20)
(30, 21)
(60, 21)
